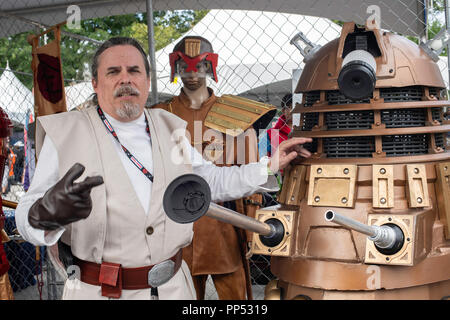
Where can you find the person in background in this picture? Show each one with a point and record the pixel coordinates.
(283, 126)
(12, 157)
(271, 139)
(6, 292)
(9, 168)
(224, 256)
(20, 162)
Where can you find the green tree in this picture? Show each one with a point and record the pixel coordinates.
(76, 54)
(168, 26)
(16, 50)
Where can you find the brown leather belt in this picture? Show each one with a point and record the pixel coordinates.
(113, 278)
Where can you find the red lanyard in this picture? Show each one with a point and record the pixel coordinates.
(128, 153)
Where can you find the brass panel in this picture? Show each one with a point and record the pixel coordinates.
(284, 248)
(416, 186)
(286, 184)
(235, 113)
(332, 185)
(443, 195)
(236, 104)
(406, 255)
(228, 98)
(223, 111)
(294, 185)
(192, 47)
(221, 122)
(383, 186)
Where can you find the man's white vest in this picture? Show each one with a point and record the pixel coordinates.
(117, 230)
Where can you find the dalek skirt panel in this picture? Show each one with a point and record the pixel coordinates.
(368, 215)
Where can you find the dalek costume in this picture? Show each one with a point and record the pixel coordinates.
(6, 292)
(373, 103)
(222, 255)
(367, 216)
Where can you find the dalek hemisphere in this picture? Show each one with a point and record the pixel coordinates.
(374, 105)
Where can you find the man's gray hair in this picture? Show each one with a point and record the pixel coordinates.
(116, 41)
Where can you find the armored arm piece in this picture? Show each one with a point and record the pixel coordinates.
(232, 115)
(388, 238)
(188, 198)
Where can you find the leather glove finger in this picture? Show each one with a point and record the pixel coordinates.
(71, 175)
(65, 202)
(84, 188)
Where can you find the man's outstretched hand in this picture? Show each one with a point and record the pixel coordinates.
(287, 151)
(65, 202)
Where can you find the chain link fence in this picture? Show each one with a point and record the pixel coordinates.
(257, 60)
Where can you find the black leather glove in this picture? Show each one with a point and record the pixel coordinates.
(65, 202)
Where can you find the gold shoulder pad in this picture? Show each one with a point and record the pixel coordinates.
(166, 105)
(233, 115)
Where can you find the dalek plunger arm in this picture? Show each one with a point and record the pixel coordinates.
(188, 198)
(388, 238)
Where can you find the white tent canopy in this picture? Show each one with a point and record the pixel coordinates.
(405, 17)
(15, 99)
(78, 93)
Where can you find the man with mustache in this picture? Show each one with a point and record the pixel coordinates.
(100, 178)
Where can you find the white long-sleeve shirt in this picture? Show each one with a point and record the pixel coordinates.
(226, 183)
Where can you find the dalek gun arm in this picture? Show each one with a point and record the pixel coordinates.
(188, 198)
(388, 238)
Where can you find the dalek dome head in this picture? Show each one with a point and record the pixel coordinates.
(363, 59)
(372, 95)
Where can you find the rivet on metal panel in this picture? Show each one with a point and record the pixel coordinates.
(383, 186)
(332, 185)
(417, 186)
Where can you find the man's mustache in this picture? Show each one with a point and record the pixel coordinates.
(126, 90)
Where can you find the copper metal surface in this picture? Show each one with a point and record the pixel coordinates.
(443, 195)
(409, 64)
(287, 218)
(375, 132)
(402, 181)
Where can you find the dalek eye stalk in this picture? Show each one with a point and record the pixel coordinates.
(368, 215)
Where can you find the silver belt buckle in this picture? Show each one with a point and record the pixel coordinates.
(161, 273)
